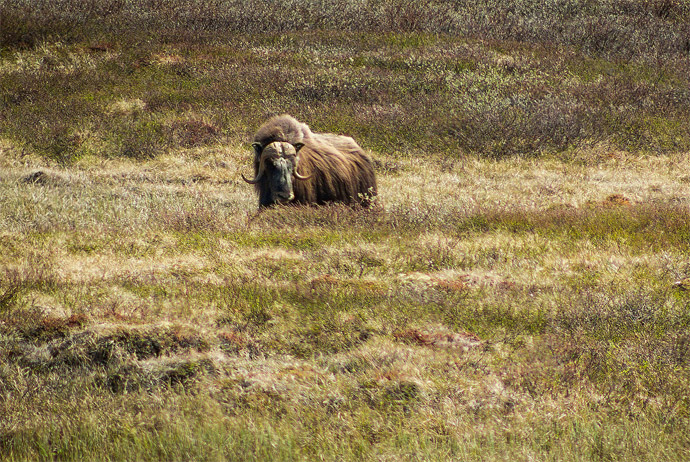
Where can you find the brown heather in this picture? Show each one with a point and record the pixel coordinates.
(518, 292)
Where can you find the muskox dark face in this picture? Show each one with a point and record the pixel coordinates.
(275, 166)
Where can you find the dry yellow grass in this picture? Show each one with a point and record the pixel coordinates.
(162, 258)
(515, 295)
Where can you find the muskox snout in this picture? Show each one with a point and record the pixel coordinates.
(284, 197)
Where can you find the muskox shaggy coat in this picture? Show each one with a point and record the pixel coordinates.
(322, 168)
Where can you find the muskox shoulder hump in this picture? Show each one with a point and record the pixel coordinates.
(283, 128)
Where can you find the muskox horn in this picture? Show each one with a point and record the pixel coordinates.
(257, 151)
(255, 180)
(300, 177)
(299, 146)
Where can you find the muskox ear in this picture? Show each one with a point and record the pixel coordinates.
(257, 149)
(298, 146)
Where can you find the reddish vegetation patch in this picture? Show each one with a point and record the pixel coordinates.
(191, 133)
(54, 325)
(76, 320)
(462, 340)
(612, 200)
(507, 285)
(617, 199)
(101, 47)
(33, 325)
(324, 281)
(233, 340)
(451, 285)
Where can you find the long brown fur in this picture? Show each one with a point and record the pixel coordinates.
(339, 169)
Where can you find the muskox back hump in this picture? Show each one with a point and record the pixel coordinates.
(283, 128)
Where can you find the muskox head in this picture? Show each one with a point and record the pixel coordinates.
(275, 168)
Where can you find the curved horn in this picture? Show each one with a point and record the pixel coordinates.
(257, 151)
(258, 176)
(299, 146)
(300, 177)
(255, 180)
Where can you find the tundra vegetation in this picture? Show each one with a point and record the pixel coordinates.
(512, 296)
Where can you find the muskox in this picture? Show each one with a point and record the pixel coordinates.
(293, 165)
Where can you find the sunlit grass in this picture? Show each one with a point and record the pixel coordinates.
(515, 294)
(432, 326)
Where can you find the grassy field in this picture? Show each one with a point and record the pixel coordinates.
(521, 291)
